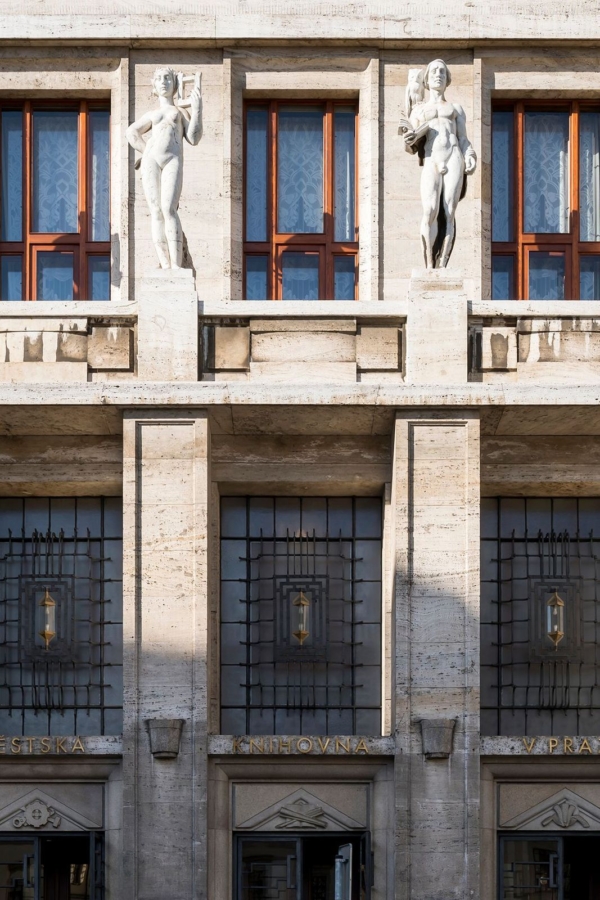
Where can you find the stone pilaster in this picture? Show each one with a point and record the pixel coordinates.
(436, 511)
(165, 491)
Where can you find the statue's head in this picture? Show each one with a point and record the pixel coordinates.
(164, 82)
(437, 75)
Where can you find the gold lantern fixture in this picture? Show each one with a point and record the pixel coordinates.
(48, 619)
(555, 619)
(301, 617)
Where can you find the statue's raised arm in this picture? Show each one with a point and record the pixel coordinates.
(161, 162)
(436, 129)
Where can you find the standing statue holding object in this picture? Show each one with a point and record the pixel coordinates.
(436, 130)
(162, 158)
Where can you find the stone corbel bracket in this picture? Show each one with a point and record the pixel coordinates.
(437, 737)
(165, 737)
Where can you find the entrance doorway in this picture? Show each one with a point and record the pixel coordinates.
(550, 868)
(53, 867)
(327, 867)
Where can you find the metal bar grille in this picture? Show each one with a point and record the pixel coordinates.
(285, 670)
(531, 548)
(72, 548)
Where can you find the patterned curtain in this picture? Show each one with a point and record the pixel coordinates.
(344, 175)
(589, 176)
(300, 171)
(256, 174)
(54, 276)
(502, 186)
(55, 172)
(547, 172)
(300, 276)
(12, 175)
(99, 122)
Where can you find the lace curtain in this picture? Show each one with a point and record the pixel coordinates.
(12, 175)
(300, 171)
(256, 175)
(300, 276)
(589, 176)
(55, 172)
(54, 276)
(502, 185)
(343, 140)
(546, 173)
(99, 146)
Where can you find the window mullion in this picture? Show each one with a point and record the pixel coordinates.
(519, 173)
(575, 212)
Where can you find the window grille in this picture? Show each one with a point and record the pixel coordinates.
(66, 678)
(300, 615)
(534, 550)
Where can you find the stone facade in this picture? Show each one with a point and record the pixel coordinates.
(423, 393)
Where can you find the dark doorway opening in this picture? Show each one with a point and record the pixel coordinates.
(52, 867)
(323, 867)
(550, 867)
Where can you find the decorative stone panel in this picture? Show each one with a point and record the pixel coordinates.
(314, 808)
(562, 810)
(52, 807)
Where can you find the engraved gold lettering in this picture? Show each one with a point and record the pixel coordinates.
(552, 744)
(259, 744)
(585, 746)
(45, 745)
(60, 745)
(237, 745)
(308, 745)
(345, 746)
(2, 744)
(361, 747)
(29, 744)
(285, 745)
(568, 745)
(529, 746)
(15, 745)
(77, 746)
(324, 744)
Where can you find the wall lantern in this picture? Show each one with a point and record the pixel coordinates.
(301, 617)
(47, 619)
(555, 619)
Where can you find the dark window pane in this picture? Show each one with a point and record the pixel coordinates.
(300, 272)
(503, 278)
(546, 187)
(344, 164)
(256, 174)
(99, 127)
(300, 170)
(55, 163)
(11, 277)
(54, 275)
(256, 277)
(502, 176)
(589, 176)
(343, 278)
(589, 278)
(546, 276)
(12, 175)
(98, 278)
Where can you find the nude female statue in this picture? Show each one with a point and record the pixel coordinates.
(162, 161)
(439, 136)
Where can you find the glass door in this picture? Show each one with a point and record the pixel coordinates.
(56, 867)
(323, 867)
(531, 869)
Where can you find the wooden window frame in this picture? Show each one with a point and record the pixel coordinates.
(277, 242)
(79, 242)
(526, 242)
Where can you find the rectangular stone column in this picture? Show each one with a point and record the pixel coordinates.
(436, 508)
(165, 490)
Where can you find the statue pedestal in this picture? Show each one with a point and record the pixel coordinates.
(167, 326)
(436, 328)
